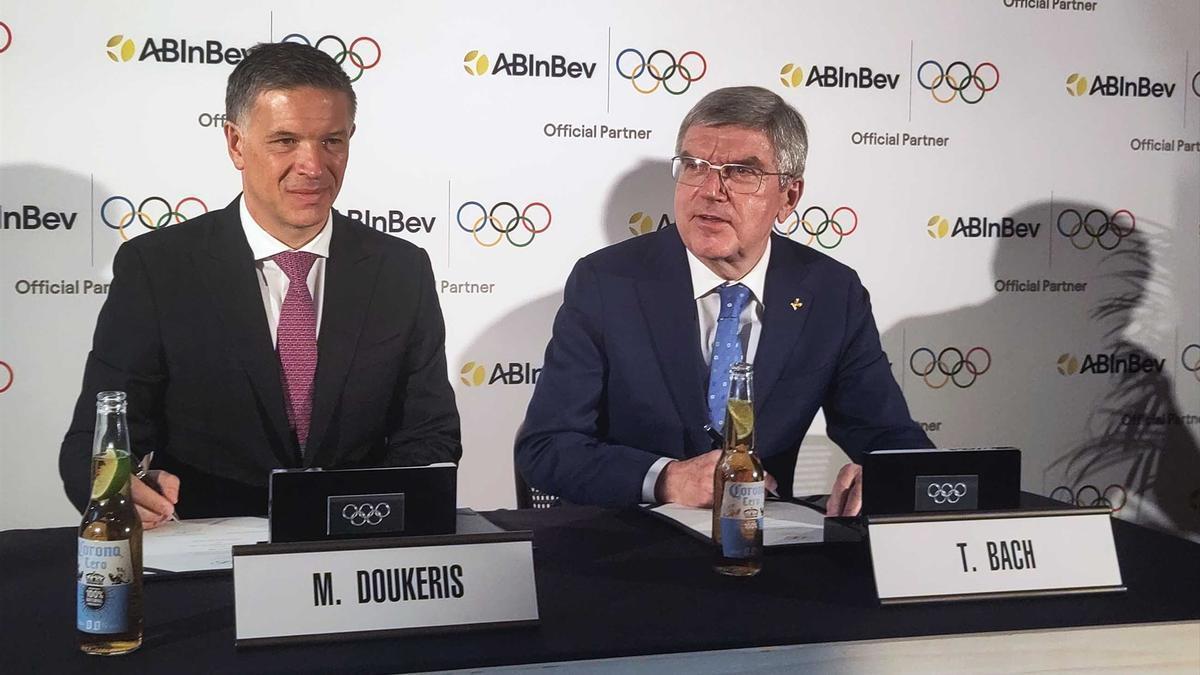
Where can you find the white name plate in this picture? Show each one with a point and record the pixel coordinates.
(367, 588)
(938, 557)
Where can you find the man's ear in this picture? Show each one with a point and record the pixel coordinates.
(793, 192)
(235, 142)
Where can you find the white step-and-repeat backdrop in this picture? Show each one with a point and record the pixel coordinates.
(1017, 182)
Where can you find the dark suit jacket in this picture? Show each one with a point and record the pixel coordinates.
(184, 333)
(624, 380)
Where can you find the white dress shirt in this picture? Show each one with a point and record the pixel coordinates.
(272, 282)
(706, 287)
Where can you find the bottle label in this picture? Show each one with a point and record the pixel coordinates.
(742, 518)
(103, 585)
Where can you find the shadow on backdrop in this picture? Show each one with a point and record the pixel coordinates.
(497, 412)
(1077, 378)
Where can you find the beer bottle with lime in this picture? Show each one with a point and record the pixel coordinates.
(739, 488)
(108, 584)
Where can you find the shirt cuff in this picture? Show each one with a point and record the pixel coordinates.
(651, 480)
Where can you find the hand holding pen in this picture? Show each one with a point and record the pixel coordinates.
(155, 493)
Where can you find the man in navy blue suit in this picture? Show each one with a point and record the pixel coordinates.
(636, 373)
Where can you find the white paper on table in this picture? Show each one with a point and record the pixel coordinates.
(784, 523)
(200, 544)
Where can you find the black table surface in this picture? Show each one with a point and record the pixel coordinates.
(610, 583)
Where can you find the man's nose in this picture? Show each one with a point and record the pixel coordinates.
(308, 160)
(714, 186)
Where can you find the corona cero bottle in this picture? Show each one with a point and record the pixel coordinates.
(108, 594)
(739, 488)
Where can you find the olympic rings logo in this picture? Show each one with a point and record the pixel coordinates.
(958, 85)
(8, 369)
(1195, 78)
(366, 514)
(946, 493)
(7, 37)
(151, 219)
(951, 364)
(817, 222)
(1096, 225)
(1113, 496)
(520, 222)
(660, 73)
(341, 52)
(1190, 364)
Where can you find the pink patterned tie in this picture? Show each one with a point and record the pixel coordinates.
(296, 340)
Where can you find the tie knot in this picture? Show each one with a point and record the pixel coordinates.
(295, 264)
(733, 299)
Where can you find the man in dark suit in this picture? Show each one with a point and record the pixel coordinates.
(274, 332)
(638, 364)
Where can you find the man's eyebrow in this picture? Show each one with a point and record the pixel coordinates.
(278, 133)
(748, 161)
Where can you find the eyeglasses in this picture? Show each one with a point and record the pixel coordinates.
(737, 178)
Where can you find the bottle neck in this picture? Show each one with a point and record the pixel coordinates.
(112, 432)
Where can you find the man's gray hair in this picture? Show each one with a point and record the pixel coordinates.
(754, 108)
(282, 65)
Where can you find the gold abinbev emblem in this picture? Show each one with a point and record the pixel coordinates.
(1076, 84)
(472, 374)
(120, 48)
(938, 227)
(791, 75)
(1068, 365)
(476, 63)
(640, 223)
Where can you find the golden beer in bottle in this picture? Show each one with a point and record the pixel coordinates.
(108, 595)
(739, 487)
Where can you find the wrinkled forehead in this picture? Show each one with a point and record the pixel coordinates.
(729, 144)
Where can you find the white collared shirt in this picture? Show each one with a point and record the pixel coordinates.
(706, 291)
(272, 282)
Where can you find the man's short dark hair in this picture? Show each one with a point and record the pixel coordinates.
(282, 65)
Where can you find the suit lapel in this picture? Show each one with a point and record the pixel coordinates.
(786, 308)
(349, 274)
(227, 266)
(665, 296)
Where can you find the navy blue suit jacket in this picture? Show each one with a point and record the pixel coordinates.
(624, 380)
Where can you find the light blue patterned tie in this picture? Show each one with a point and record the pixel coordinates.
(726, 351)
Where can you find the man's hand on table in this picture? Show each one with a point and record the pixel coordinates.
(845, 497)
(689, 482)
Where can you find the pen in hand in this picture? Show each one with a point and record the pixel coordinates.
(718, 441)
(145, 476)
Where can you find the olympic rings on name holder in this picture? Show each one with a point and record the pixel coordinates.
(1095, 231)
(10, 378)
(661, 73)
(950, 362)
(1191, 364)
(504, 228)
(366, 514)
(148, 221)
(827, 222)
(1114, 496)
(8, 38)
(967, 79)
(946, 493)
(343, 52)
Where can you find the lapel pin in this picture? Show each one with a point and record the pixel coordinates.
(796, 304)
